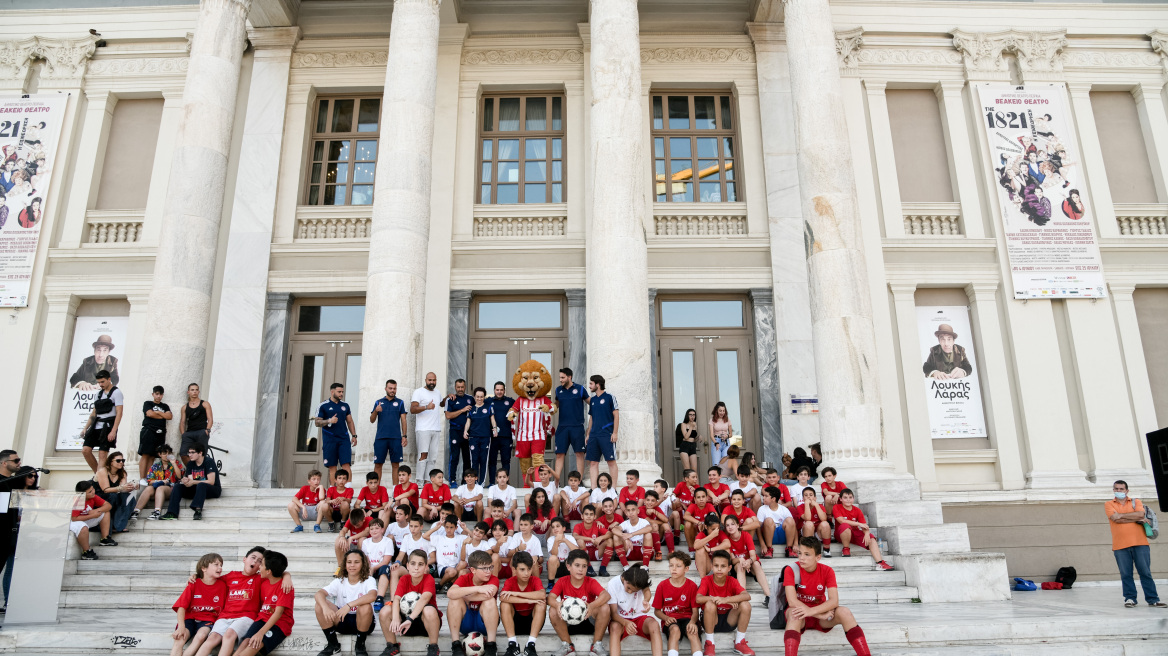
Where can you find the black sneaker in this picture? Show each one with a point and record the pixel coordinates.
(169, 516)
(89, 555)
(530, 651)
(107, 541)
(199, 514)
(603, 571)
(391, 650)
(359, 647)
(330, 649)
(492, 649)
(512, 649)
(591, 572)
(766, 602)
(456, 648)
(432, 650)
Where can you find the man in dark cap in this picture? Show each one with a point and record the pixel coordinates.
(85, 377)
(947, 359)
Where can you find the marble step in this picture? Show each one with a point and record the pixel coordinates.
(884, 514)
(935, 539)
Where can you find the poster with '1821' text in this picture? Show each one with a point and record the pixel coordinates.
(1038, 170)
(29, 129)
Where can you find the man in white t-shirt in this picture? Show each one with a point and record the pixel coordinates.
(428, 425)
(101, 430)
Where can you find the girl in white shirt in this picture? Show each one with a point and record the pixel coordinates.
(506, 493)
(602, 491)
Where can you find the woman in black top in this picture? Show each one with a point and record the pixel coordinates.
(114, 487)
(195, 422)
(686, 435)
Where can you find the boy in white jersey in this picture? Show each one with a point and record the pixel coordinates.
(749, 489)
(480, 540)
(572, 498)
(401, 528)
(503, 491)
(526, 540)
(631, 536)
(380, 549)
(468, 498)
(776, 518)
(448, 553)
(415, 541)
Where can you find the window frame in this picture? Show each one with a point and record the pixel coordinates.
(732, 175)
(522, 134)
(327, 136)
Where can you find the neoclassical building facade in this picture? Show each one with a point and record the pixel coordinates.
(746, 201)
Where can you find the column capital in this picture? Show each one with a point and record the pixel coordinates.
(15, 58)
(65, 59)
(1079, 89)
(762, 296)
(746, 87)
(274, 38)
(460, 298)
(646, 85)
(1039, 54)
(574, 87)
(875, 87)
(138, 300)
(576, 297)
(982, 291)
(172, 95)
(767, 36)
(1160, 46)
(104, 96)
(902, 290)
(847, 46)
(1144, 92)
(983, 54)
(1121, 291)
(949, 88)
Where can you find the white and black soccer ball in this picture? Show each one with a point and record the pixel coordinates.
(573, 610)
(408, 601)
(475, 644)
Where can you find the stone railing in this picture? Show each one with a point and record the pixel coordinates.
(712, 220)
(1142, 220)
(932, 219)
(332, 223)
(543, 221)
(114, 226)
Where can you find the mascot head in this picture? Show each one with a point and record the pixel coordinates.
(531, 380)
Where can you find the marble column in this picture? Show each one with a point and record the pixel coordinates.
(184, 268)
(395, 301)
(766, 362)
(841, 305)
(577, 340)
(618, 270)
(240, 334)
(273, 360)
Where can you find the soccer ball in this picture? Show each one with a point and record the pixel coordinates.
(573, 610)
(408, 601)
(475, 644)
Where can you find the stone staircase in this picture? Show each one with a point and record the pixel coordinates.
(122, 601)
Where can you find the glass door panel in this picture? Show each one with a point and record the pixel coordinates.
(495, 369)
(729, 392)
(311, 396)
(682, 368)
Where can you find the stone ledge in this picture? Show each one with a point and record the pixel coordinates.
(958, 577)
(903, 513)
(913, 540)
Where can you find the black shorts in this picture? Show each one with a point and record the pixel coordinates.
(271, 639)
(348, 625)
(688, 447)
(682, 623)
(191, 438)
(723, 623)
(418, 627)
(193, 626)
(522, 624)
(97, 438)
(587, 627)
(149, 440)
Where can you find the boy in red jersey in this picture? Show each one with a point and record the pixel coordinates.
(594, 539)
(632, 489)
(425, 620)
(712, 538)
(811, 519)
(695, 514)
(338, 501)
(725, 605)
(471, 604)
(831, 488)
(274, 621)
(499, 514)
(199, 605)
(242, 606)
(658, 522)
(578, 584)
(433, 495)
(374, 498)
(746, 557)
(306, 503)
(813, 602)
(851, 526)
(773, 479)
(406, 490)
(719, 491)
(522, 605)
(675, 601)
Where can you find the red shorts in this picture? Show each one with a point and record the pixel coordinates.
(505, 571)
(640, 622)
(636, 553)
(812, 624)
(592, 552)
(858, 537)
(799, 524)
(526, 449)
(574, 515)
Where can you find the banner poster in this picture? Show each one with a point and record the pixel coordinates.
(950, 370)
(1050, 233)
(96, 341)
(29, 129)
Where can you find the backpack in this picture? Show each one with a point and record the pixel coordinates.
(1066, 576)
(106, 405)
(1151, 523)
(778, 608)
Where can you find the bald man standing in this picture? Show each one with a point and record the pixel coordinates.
(428, 427)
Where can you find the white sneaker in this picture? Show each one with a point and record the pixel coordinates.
(154, 514)
(598, 649)
(565, 649)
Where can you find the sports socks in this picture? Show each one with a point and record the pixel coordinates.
(606, 557)
(739, 636)
(791, 643)
(855, 636)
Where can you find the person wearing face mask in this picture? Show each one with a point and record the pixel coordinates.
(1130, 546)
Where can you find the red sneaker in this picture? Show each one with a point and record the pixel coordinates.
(847, 552)
(709, 650)
(791, 553)
(742, 648)
(770, 553)
(884, 565)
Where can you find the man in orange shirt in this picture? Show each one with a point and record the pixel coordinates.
(1130, 546)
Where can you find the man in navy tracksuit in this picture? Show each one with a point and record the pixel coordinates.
(501, 444)
(604, 419)
(571, 399)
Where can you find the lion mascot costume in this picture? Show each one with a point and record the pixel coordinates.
(531, 416)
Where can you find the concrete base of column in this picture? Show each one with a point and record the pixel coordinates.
(1052, 478)
(1133, 477)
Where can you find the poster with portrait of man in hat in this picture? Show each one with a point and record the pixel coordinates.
(95, 341)
(952, 387)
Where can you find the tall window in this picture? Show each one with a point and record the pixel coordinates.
(521, 150)
(344, 151)
(694, 149)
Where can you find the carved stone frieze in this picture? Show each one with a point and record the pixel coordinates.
(1039, 53)
(520, 56)
(143, 66)
(65, 59)
(339, 59)
(696, 55)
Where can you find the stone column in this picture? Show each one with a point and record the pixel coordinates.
(395, 301)
(239, 336)
(961, 160)
(184, 269)
(618, 270)
(923, 464)
(458, 328)
(841, 305)
(273, 360)
(577, 339)
(172, 112)
(131, 428)
(766, 360)
(99, 111)
(881, 130)
(1139, 386)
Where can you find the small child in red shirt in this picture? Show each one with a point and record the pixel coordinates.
(433, 495)
(725, 605)
(406, 491)
(811, 519)
(374, 498)
(338, 502)
(719, 491)
(813, 602)
(199, 605)
(831, 488)
(632, 489)
(274, 622)
(675, 604)
(306, 503)
(851, 526)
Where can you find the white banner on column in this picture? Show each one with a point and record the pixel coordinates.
(1050, 233)
(95, 342)
(950, 369)
(29, 130)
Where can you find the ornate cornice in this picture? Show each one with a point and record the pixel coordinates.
(144, 66)
(983, 53)
(15, 57)
(521, 56)
(696, 55)
(1110, 59)
(847, 46)
(340, 59)
(65, 59)
(1039, 53)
